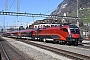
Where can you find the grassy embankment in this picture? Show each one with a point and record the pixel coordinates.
(83, 14)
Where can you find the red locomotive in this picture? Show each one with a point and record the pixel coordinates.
(61, 34)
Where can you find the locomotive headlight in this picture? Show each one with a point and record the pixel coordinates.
(70, 35)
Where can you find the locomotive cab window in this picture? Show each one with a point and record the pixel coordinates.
(74, 30)
(64, 29)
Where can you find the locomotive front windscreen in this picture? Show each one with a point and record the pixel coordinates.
(74, 29)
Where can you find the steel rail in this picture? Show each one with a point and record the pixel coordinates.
(71, 55)
(6, 55)
(20, 53)
(12, 52)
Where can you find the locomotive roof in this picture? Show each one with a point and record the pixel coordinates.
(73, 26)
(69, 26)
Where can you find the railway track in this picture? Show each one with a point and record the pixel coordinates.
(11, 53)
(83, 46)
(86, 43)
(4, 55)
(64, 53)
(68, 54)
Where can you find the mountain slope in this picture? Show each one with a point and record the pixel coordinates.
(67, 6)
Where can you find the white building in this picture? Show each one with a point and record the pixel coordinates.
(45, 25)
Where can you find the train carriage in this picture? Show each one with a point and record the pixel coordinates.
(74, 34)
(25, 34)
(61, 34)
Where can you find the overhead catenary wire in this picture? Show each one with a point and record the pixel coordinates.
(12, 4)
(49, 10)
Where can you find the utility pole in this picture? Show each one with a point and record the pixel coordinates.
(6, 8)
(77, 8)
(6, 5)
(77, 14)
(7, 25)
(18, 10)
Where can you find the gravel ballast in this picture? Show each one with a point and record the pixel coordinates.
(35, 52)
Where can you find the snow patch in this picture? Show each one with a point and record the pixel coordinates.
(63, 6)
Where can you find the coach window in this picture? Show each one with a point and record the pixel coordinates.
(64, 29)
(35, 26)
(43, 26)
(55, 25)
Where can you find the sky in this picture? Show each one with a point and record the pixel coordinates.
(29, 6)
